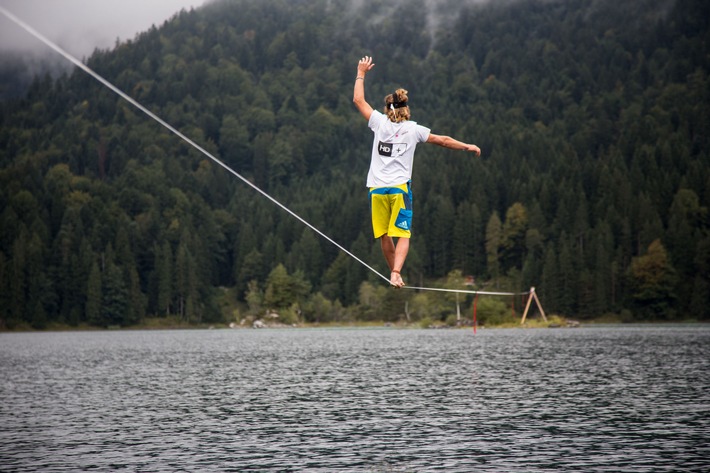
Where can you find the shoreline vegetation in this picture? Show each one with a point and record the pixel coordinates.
(377, 307)
(174, 323)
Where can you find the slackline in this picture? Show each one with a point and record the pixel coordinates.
(199, 148)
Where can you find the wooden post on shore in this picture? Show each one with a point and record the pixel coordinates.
(527, 306)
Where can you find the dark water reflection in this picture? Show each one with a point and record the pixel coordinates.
(613, 399)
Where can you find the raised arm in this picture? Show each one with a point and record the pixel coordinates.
(363, 67)
(448, 142)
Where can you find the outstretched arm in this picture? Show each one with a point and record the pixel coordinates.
(448, 142)
(363, 67)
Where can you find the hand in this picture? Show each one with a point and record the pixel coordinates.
(475, 149)
(364, 66)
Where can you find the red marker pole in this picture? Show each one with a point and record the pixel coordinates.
(475, 302)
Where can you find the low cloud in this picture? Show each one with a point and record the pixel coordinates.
(81, 26)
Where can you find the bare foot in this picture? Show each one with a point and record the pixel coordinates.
(396, 279)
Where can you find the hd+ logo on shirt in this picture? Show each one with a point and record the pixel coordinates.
(391, 149)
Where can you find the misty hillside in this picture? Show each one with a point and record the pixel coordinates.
(594, 184)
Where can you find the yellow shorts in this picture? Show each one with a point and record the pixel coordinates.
(391, 209)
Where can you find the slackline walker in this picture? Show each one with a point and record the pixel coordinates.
(172, 129)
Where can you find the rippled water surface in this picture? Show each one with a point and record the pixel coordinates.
(611, 399)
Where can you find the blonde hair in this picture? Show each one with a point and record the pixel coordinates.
(401, 113)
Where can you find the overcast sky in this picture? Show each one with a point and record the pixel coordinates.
(80, 26)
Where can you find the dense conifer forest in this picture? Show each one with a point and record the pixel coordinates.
(594, 183)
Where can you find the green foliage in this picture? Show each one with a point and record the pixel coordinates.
(451, 320)
(372, 301)
(284, 290)
(494, 237)
(254, 298)
(592, 117)
(653, 280)
(492, 311)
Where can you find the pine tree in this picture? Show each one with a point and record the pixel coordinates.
(512, 239)
(94, 296)
(39, 290)
(549, 285)
(284, 290)
(115, 304)
(4, 291)
(494, 234)
(700, 300)
(185, 282)
(164, 269)
(18, 282)
(653, 279)
(334, 278)
(468, 241)
(568, 277)
(137, 300)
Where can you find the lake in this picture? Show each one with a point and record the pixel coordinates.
(591, 399)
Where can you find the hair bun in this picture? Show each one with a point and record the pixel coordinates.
(400, 95)
(397, 106)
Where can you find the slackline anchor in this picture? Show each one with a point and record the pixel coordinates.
(532, 296)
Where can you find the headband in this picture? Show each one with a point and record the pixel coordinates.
(396, 104)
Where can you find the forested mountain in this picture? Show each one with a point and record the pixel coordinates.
(594, 184)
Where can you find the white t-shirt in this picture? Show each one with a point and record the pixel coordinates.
(393, 150)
